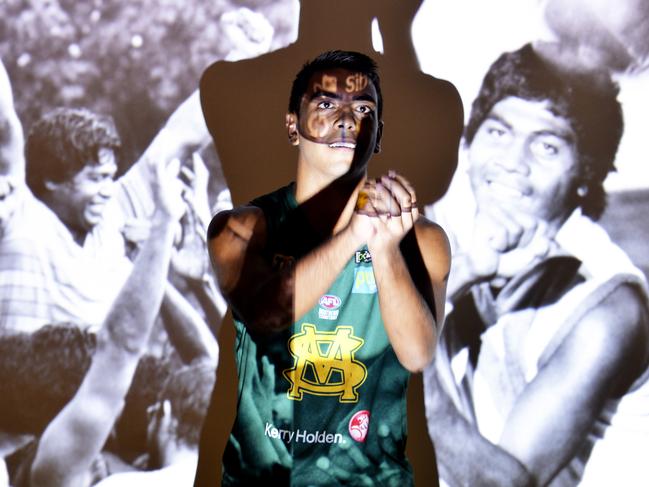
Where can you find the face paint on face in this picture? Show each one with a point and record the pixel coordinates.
(335, 103)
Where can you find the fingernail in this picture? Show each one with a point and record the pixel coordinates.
(392, 173)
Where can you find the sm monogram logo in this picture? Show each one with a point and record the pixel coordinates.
(324, 364)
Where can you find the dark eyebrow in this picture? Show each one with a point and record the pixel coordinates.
(566, 136)
(365, 97)
(336, 96)
(497, 118)
(324, 94)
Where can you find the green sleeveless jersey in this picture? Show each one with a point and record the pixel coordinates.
(324, 401)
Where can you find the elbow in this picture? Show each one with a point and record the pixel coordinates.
(420, 352)
(264, 320)
(416, 360)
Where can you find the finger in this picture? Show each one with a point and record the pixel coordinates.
(406, 184)
(173, 167)
(386, 203)
(200, 168)
(337, 473)
(399, 192)
(187, 174)
(407, 220)
(488, 232)
(512, 228)
(166, 414)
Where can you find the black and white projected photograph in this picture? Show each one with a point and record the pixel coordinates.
(126, 126)
(541, 374)
(109, 312)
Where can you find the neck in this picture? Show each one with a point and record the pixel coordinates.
(329, 204)
(78, 234)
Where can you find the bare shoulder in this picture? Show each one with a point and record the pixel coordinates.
(619, 319)
(234, 237)
(431, 233)
(434, 246)
(242, 222)
(617, 333)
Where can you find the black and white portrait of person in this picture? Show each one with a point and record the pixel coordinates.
(541, 376)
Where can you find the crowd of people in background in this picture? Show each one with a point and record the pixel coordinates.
(104, 284)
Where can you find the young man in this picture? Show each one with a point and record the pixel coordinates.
(542, 372)
(75, 273)
(337, 288)
(73, 439)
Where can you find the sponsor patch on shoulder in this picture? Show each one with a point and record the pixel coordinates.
(329, 305)
(363, 257)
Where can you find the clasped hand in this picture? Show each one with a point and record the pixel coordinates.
(386, 210)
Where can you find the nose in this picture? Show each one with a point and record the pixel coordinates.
(107, 188)
(515, 157)
(346, 120)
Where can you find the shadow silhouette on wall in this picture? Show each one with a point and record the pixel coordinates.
(244, 105)
(244, 102)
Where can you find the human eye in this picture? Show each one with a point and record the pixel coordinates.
(548, 146)
(364, 109)
(549, 149)
(325, 105)
(495, 130)
(101, 176)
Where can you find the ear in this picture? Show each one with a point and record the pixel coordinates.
(291, 129)
(379, 135)
(51, 185)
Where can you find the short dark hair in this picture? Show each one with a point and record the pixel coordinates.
(63, 142)
(41, 372)
(350, 60)
(587, 100)
(189, 390)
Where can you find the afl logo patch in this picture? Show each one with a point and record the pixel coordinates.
(329, 301)
(359, 424)
(329, 305)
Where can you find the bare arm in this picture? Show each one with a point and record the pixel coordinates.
(569, 392)
(12, 160)
(187, 330)
(12, 142)
(183, 133)
(411, 260)
(464, 457)
(77, 434)
(558, 407)
(262, 294)
(407, 306)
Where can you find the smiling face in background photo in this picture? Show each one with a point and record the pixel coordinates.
(523, 156)
(331, 111)
(82, 199)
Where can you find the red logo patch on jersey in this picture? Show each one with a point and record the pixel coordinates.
(359, 425)
(329, 301)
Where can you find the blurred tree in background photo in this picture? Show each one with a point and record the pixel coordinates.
(133, 59)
